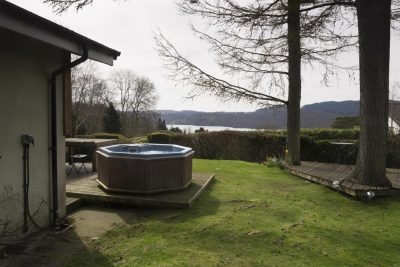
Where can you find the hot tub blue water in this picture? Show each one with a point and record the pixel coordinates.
(145, 150)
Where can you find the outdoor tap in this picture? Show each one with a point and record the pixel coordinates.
(27, 139)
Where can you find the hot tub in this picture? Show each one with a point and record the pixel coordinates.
(144, 168)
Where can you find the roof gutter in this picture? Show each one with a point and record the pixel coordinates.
(53, 118)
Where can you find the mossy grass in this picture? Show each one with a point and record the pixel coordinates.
(252, 215)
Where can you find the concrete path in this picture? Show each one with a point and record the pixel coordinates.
(49, 249)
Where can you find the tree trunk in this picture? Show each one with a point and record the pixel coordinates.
(293, 107)
(134, 122)
(124, 130)
(374, 37)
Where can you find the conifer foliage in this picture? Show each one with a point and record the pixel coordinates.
(111, 122)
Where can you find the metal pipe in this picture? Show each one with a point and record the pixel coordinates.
(25, 187)
(53, 116)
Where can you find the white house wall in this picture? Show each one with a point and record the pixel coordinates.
(25, 67)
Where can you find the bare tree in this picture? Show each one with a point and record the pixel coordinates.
(143, 99)
(374, 23)
(135, 95)
(263, 43)
(123, 85)
(294, 81)
(61, 6)
(395, 11)
(394, 91)
(88, 96)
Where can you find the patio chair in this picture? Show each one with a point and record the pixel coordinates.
(77, 162)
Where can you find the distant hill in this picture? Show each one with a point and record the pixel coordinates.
(317, 115)
(347, 107)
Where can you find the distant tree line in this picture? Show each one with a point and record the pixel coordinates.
(346, 122)
(120, 104)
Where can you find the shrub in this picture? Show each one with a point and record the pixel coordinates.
(346, 122)
(175, 130)
(182, 139)
(325, 151)
(393, 155)
(274, 162)
(248, 146)
(332, 134)
(324, 133)
(137, 140)
(159, 138)
(257, 146)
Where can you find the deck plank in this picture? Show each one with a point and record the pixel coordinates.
(88, 190)
(327, 173)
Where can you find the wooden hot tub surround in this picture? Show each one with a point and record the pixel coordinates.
(137, 174)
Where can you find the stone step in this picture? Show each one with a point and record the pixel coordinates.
(73, 204)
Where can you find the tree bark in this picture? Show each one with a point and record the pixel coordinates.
(374, 37)
(293, 107)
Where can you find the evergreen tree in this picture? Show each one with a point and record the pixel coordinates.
(175, 130)
(161, 125)
(200, 130)
(111, 122)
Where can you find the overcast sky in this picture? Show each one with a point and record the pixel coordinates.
(129, 27)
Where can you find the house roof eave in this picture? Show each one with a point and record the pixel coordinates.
(29, 24)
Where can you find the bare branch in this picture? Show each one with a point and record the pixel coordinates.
(186, 72)
(135, 95)
(61, 6)
(250, 41)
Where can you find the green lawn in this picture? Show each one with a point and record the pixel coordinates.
(252, 215)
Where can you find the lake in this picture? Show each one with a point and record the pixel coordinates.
(192, 128)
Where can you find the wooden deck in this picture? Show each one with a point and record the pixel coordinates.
(333, 175)
(88, 189)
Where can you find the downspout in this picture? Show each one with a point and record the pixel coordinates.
(53, 117)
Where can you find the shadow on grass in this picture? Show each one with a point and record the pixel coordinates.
(306, 245)
(48, 249)
(207, 204)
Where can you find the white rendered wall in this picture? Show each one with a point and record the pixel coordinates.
(25, 67)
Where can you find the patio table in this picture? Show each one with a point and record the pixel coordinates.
(92, 143)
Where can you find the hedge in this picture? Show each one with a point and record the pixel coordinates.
(257, 146)
(324, 133)
(247, 146)
(159, 138)
(325, 151)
